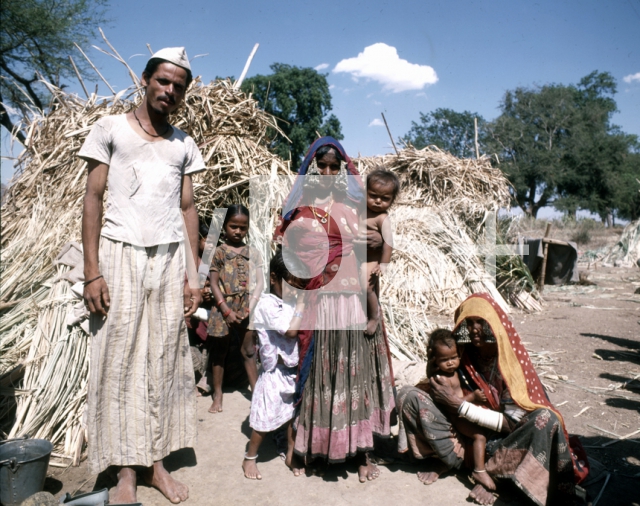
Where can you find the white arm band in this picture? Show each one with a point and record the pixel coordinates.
(480, 416)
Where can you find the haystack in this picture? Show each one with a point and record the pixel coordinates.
(42, 355)
(626, 252)
(439, 219)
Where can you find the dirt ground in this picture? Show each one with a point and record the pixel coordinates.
(587, 341)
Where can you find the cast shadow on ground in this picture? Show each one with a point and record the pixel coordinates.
(618, 341)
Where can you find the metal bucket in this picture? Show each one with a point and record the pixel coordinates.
(23, 468)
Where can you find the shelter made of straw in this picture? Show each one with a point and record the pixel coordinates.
(44, 360)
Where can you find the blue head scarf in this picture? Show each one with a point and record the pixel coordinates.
(355, 191)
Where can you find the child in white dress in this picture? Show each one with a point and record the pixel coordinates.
(277, 324)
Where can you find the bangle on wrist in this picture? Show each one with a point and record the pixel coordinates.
(226, 313)
(219, 302)
(298, 314)
(92, 280)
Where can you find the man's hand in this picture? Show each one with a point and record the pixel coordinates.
(192, 299)
(96, 297)
(442, 393)
(479, 397)
(371, 238)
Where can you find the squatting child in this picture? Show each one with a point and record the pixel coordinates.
(277, 324)
(382, 189)
(444, 361)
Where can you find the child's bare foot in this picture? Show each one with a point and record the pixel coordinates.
(125, 492)
(294, 463)
(481, 495)
(367, 470)
(429, 477)
(158, 477)
(216, 406)
(372, 326)
(250, 469)
(484, 479)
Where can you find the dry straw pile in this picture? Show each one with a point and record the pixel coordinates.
(439, 221)
(42, 356)
(43, 362)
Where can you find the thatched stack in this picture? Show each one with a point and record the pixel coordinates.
(439, 219)
(626, 252)
(42, 211)
(438, 223)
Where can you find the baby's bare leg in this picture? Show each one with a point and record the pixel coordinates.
(479, 447)
(373, 306)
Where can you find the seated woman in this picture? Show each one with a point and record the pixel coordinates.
(531, 447)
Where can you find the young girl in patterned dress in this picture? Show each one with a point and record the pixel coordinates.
(277, 323)
(232, 299)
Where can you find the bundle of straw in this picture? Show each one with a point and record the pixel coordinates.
(432, 177)
(438, 217)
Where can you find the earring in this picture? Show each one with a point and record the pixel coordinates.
(488, 333)
(462, 334)
(342, 182)
(312, 177)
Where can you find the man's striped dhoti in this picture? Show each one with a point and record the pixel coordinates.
(141, 393)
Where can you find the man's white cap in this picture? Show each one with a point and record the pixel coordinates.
(175, 55)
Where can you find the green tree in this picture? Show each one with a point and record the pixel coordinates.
(596, 150)
(627, 185)
(558, 147)
(36, 38)
(447, 129)
(530, 137)
(300, 100)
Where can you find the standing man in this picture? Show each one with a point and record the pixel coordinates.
(141, 392)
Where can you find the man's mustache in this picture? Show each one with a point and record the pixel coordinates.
(167, 99)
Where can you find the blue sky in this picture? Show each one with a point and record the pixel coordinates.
(461, 55)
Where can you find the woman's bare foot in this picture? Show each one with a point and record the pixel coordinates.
(372, 326)
(216, 406)
(293, 462)
(158, 477)
(250, 469)
(429, 477)
(481, 495)
(125, 492)
(318, 467)
(484, 479)
(367, 470)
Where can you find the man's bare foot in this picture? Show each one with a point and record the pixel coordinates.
(125, 492)
(293, 462)
(216, 406)
(158, 477)
(481, 495)
(367, 470)
(484, 479)
(429, 477)
(372, 326)
(250, 469)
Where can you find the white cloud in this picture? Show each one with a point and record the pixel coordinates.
(376, 122)
(632, 77)
(322, 66)
(381, 63)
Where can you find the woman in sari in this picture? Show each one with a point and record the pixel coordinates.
(530, 446)
(344, 380)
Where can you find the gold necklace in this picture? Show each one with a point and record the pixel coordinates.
(323, 219)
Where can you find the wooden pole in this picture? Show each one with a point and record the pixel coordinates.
(238, 83)
(389, 132)
(543, 271)
(79, 76)
(475, 128)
